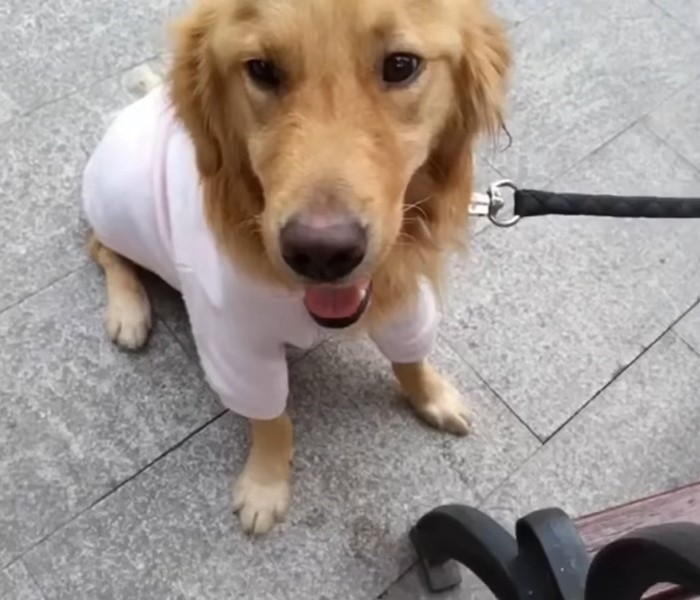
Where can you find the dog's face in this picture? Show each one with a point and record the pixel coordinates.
(330, 110)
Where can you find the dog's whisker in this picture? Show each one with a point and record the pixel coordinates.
(416, 204)
(416, 207)
(405, 239)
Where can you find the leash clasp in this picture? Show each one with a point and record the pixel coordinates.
(496, 203)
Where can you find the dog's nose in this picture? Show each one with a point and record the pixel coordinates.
(323, 251)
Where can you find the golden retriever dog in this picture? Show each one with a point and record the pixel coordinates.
(310, 163)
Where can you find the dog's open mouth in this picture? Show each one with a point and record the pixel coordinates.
(337, 306)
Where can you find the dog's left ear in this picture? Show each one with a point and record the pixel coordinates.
(482, 72)
(479, 74)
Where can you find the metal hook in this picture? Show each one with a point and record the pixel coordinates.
(496, 203)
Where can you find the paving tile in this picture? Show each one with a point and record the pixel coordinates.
(17, 584)
(7, 108)
(515, 11)
(43, 155)
(549, 311)
(70, 44)
(688, 328)
(678, 122)
(77, 415)
(363, 471)
(638, 438)
(41, 158)
(497, 435)
(585, 71)
(686, 11)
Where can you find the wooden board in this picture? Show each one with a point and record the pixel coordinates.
(599, 529)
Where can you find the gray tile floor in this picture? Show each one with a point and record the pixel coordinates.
(578, 340)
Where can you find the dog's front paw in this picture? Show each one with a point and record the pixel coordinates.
(260, 502)
(128, 319)
(445, 410)
(433, 397)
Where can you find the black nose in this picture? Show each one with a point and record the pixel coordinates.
(324, 252)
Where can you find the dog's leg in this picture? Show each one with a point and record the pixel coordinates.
(261, 493)
(128, 315)
(435, 400)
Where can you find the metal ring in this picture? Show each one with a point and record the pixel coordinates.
(497, 203)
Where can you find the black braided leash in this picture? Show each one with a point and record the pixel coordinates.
(535, 203)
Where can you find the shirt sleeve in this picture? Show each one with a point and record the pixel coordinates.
(410, 335)
(249, 373)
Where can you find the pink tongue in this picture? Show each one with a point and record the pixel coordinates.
(333, 302)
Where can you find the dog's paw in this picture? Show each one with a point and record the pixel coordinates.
(260, 504)
(128, 319)
(445, 410)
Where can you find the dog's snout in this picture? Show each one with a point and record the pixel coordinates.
(323, 250)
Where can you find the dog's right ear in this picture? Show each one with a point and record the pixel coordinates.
(195, 84)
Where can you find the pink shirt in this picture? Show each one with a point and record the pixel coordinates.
(142, 197)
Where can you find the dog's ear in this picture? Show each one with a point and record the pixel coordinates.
(479, 76)
(195, 86)
(481, 73)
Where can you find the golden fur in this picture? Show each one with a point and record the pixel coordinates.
(399, 158)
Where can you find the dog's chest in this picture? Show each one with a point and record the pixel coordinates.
(271, 316)
(290, 321)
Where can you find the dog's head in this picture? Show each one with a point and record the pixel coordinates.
(334, 137)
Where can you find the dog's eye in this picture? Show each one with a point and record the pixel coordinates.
(400, 68)
(264, 73)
